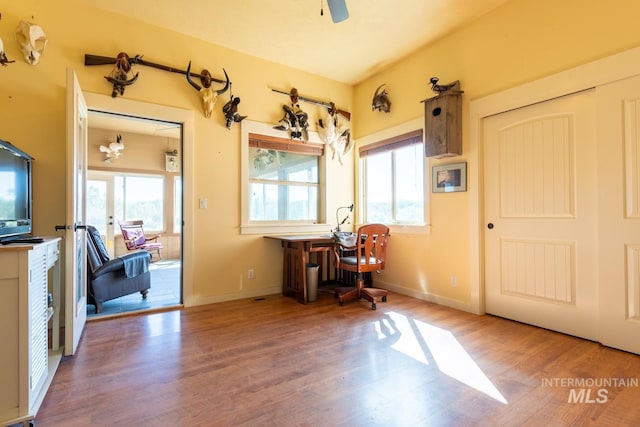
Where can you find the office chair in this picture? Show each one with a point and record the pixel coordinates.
(366, 255)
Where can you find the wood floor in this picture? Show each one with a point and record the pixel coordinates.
(274, 362)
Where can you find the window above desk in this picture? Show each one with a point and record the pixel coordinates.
(283, 182)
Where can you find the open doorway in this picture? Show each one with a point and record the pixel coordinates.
(135, 173)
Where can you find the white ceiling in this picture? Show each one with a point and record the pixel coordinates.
(292, 32)
(127, 124)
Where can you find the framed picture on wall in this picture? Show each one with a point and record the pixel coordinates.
(449, 178)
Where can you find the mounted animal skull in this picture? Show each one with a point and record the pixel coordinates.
(32, 41)
(114, 150)
(381, 100)
(207, 93)
(121, 75)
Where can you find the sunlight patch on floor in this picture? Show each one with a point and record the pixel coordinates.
(406, 342)
(423, 341)
(163, 323)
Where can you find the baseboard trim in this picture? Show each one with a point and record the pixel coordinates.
(202, 300)
(436, 299)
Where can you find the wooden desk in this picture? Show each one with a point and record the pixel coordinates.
(298, 251)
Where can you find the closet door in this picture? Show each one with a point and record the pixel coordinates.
(541, 214)
(619, 213)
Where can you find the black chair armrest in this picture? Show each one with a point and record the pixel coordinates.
(134, 255)
(115, 264)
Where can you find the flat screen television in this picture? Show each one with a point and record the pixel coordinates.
(15, 192)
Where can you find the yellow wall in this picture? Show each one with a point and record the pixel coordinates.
(519, 42)
(32, 114)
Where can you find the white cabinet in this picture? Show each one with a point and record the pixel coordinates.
(28, 355)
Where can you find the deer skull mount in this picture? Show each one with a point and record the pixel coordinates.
(32, 41)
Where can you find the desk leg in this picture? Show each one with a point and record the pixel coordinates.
(285, 281)
(288, 272)
(294, 273)
(303, 270)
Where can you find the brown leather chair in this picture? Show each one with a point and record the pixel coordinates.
(366, 255)
(135, 239)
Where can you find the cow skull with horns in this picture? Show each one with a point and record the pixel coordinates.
(207, 93)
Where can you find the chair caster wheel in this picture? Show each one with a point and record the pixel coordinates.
(384, 299)
(340, 303)
(373, 306)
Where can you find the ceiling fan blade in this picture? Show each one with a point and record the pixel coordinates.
(338, 9)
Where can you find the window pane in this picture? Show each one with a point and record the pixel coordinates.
(97, 205)
(177, 205)
(378, 188)
(409, 188)
(144, 199)
(393, 183)
(118, 197)
(283, 186)
(279, 202)
(282, 166)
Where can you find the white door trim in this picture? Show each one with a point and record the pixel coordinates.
(593, 74)
(186, 118)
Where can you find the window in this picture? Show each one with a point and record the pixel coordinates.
(283, 185)
(116, 196)
(177, 205)
(393, 180)
(140, 197)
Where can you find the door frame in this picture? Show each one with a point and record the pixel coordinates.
(590, 75)
(123, 106)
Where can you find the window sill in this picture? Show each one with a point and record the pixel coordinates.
(285, 228)
(410, 229)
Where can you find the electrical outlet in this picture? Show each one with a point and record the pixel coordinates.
(251, 274)
(453, 281)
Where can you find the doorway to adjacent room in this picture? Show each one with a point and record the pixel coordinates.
(134, 173)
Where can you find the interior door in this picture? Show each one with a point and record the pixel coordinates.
(75, 236)
(619, 192)
(541, 215)
(100, 208)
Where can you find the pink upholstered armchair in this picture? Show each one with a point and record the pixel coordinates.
(135, 239)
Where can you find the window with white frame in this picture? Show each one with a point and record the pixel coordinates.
(140, 197)
(126, 196)
(393, 180)
(284, 180)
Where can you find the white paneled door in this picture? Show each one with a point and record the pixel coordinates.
(541, 238)
(76, 245)
(619, 212)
